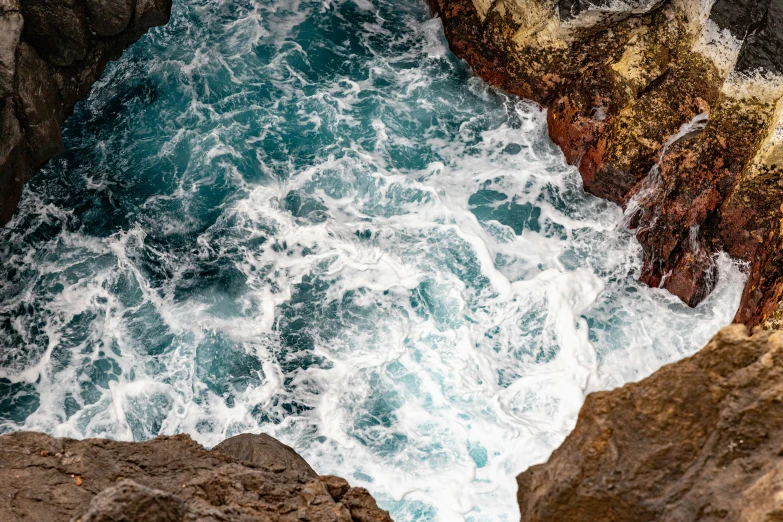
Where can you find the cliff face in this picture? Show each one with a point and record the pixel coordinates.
(700, 440)
(671, 108)
(51, 52)
(170, 479)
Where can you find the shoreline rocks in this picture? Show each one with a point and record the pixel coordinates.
(670, 108)
(674, 110)
(699, 440)
(170, 479)
(51, 52)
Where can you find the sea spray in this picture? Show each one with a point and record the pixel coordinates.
(309, 219)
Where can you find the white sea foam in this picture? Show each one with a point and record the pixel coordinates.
(419, 304)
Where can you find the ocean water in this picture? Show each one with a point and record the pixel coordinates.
(308, 218)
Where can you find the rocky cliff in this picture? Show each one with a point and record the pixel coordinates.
(51, 52)
(671, 108)
(700, 440)
(170, 479)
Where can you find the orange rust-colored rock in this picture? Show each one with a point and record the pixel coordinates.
(671, 108)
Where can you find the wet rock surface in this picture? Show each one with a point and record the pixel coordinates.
(51, 52)
(623, 83)
(170, 479)
(699, 440)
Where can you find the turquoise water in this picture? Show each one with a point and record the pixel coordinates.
(307, 218)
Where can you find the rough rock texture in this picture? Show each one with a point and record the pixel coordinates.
(700, 440)
(672, 108)
(51, 52)
(170, 479)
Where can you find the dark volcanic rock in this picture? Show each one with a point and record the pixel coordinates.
(621, 80)
(40, 106)
(109, 18)
(11, 27)
(170, 479)
(51, 52)
(699, 440)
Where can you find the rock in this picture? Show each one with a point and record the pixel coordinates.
(41, 105)
(13, 160)
(700, 439)
(149, 13)
(263, 451)
(170, 479)
(57, 29)
(51, 52)
(129, 501)
(581, 18)
(362, 506)
(622, 80)
(109, 17)
(11, 23)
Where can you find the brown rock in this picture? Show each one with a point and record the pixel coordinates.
(109, 17)
(170, 479)
(263, 451)
(41, 105)
(149, 13)
(11, 23)
(57, 29)
(699, 440)
(130, 501)
(620, 82)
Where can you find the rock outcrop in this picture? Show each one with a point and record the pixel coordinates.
(51, 52)
(671, 108)
(700, 440)
(170, 479)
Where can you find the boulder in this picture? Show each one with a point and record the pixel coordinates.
(263, 451)
(700, 439)
(109, 17)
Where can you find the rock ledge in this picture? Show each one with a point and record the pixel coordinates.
(170, 479)
(699, 440)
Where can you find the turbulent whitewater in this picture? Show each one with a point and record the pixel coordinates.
(309, 219)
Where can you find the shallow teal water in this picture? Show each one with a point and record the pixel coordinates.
(309, 219)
